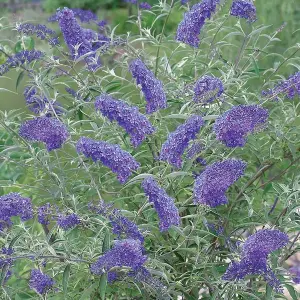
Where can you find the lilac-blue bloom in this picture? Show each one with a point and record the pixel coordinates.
(254, 256)
(295, 272)
(48, 130)
(207, 89)
(125, 253)
(111, 155)
(45, 214)
(136, 124)
(11, 205)
(67, 221)
(194, 150)
(152, 87)
(145, 5)
(289, 87)
(85, 16)
(164, 205)
(40, 282)
(211, 185)
(178, 140)
(243, 9)
(189, 28)
(41, 31)
(234, 125)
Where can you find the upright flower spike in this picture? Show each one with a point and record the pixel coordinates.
(164, 205)
(290, 88)
(211, 185)
(189, 28)
(50, 131)
(243, 9)
(178, 140)
(125, 253)
(234, 125)
(111, 155)
(85, 16)
(13, 205)
(77, 37)
(128, 117)
(254, 257)
(152, 87)
(40, 282)
(207, 89)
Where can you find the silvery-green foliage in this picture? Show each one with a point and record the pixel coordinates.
(80, 207)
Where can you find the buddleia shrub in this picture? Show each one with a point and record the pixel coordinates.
(154, 166)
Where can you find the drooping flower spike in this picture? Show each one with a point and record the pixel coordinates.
(233, 127)
(48, 130)
(190, 27)
(211, 185)
(178, 140)
(164, 205)
(254, 257)
(111, 155)
(152, 87)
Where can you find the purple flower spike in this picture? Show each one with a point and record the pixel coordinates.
(112, 156)
(12, 205)
(164, 205)
(128, 117)
(234, 125)
(151, 86)
(207, 89)
(44, 214)
(125, 253)
(178, 140)
(67, 221)
(295, 272)
(244, 9)
(40, 282)
(289, 87)
(254, 257)
(211, 185)
(189, 28)
(50, 131)
(145, 5)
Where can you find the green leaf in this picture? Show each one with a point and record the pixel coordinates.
(106, 242)
(65, 281)
(255, 65)
(179, 173)
(102, 286)
(19, 79)
(26, 43)
(292, 291)
(88, 291)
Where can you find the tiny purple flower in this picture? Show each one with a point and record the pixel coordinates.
(234, 125)
(50, 131)
(67, 221)
(136, 124)
(125, 253)
(178, 140)
(145, 5)
(111, 155)
(211, 185)
(189, 28)
(40, 282)
(44, 214)
(164, 205)
(244, 9)
(152, 87)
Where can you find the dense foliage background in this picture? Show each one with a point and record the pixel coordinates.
(188, 260)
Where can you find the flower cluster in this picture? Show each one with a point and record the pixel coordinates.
(295, 272)
(151, 86)
(234, 125)
(40, 282)
(85, 16)
(128, 117)
(6, 262)
(254, 256)
(125, 253)
(243, 9)
(111, 155)
(178, 140)
(211, 185)
(164, 205)
(67, 221)
(41, 31)
(20, 58)
(189, 28)
(44, 214)
(12, 205)
(145, 5)
(207, 89)
(289, 87)
(48, 130)
(39, 103)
